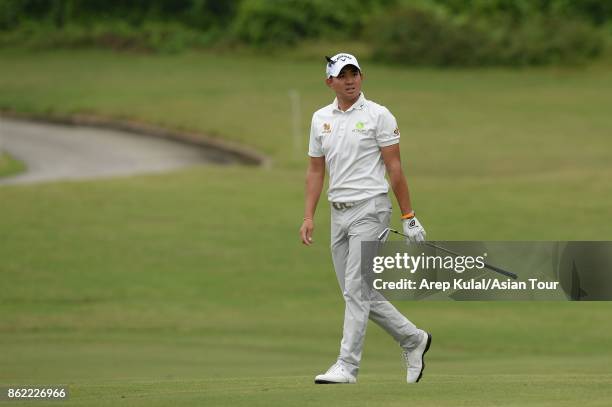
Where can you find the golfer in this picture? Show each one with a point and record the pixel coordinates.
(356, 140)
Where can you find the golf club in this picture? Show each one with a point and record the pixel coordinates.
(383, 236)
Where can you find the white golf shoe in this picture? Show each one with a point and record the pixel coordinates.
(415, 359)
(337, 374)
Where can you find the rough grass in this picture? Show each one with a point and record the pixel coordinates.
(9, 165)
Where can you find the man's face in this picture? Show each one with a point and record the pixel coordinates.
(347, 84)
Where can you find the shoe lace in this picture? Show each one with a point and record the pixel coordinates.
(406, 355)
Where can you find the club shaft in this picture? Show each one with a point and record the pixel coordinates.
(489, 266)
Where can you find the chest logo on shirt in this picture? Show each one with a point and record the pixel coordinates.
(359, 128)
(326, 128)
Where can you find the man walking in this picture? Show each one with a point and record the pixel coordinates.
(357, 139)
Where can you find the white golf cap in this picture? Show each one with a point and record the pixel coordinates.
(339, 61)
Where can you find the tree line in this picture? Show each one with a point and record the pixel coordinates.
(416, 32)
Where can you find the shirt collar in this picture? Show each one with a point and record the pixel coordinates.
(357, 105)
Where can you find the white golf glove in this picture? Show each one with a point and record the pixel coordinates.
(414, 230)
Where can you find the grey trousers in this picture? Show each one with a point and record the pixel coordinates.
(349, 227)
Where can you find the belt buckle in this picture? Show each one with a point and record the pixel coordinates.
(342, 205)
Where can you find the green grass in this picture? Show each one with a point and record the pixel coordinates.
(192, 288)
(10, 165)
(167, 287)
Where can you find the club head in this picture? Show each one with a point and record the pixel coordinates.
(382, 237)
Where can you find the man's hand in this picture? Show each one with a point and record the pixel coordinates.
(315, 175)
(414, 230)
(306, 231)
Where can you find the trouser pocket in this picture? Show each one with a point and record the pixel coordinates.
(382, 208)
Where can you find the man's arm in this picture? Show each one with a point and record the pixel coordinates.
(392, 160)
(315, 177)
(412, 227)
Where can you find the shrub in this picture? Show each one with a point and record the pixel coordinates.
(545, 40)
(285, 22)
(423, 37)
(118, 35)
(594, 11)
(429, 36)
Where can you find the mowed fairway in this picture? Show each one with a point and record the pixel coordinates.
(192, 287)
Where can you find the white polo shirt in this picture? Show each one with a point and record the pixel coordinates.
(351, 142)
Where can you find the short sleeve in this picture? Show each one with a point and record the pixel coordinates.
(315, 149)
(387, 132)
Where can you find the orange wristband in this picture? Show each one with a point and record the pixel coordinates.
(408, 215)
